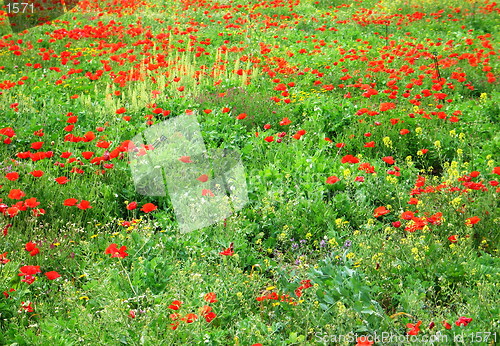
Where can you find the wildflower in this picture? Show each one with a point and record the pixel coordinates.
(190, 318)
(472, 220)
(349, 159)
(463, 321)
(389, 160)
(16, 194)
(175, 305)
(203, 178)
(132, 206)
(32, 248)
(210, 297)
(52, 275)
(61, 180)
(84, 205)
(332, 180)
(4, 259)
(363, 341)
(380, 211)
(414, 328)
(229, 251)
(446, 325)
(27, 306)
(149, 207)
(185, 159)
(37, 174)
(70, 202)
(115, 252)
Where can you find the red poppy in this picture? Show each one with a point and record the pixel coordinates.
(211, 297)
(210, 316)
(446, 325)
(12, 176)
(52, 275)
(31, 202)
(37, 174)
(3, 258)
(12, 211)
(380, 211)
(84, 205)
(61, 180)
(472, 220)
(414, 328)
(269, 139)
(349, 159)
(36, 145)
(190, 318)
(332, 180)
(413, 201)
(389, 160)
(207, 192)
(203, 178)
(407, 215)
(132, 206)
(463, 321)
(363, 341)
(29, 270)
(175, 305)
(70, 202)
(385, 106)
(229, 251)
(115, 252)
(185, 159)
(241, 116)
(285, 121)
(27, 306)
(16, 194)
(149, 207)
(453, 238)
(30, 246)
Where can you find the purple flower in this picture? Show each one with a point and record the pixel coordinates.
(322, 243)
(347, 244)
(295, 245)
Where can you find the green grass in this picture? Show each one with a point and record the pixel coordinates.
(368, 273)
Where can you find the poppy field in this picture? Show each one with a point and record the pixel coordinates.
(369, 133)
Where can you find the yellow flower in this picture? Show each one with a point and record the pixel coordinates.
(437, 144)
(418, 130)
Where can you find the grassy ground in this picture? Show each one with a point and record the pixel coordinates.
(369, 135)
